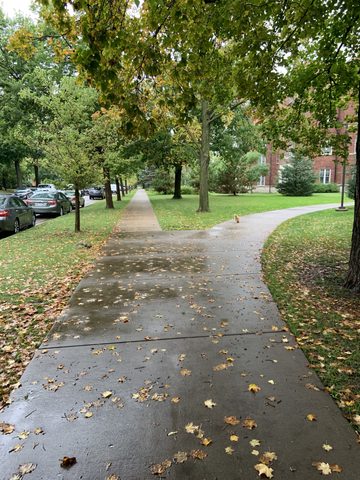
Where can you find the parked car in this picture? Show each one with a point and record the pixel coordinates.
(50, 202)
(70, 194)
(96, 192)
(15, 214)
(23, 192)
(46, 186)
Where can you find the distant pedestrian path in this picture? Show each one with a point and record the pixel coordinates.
(139, 216)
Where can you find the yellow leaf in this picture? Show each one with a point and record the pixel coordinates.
(185, 372)
(229, 450)
(323, 467)
(175, 400)
(231, 420)
(327, 447)
(234, 438)
(249, 423)
(206, 442)
(255, 443)
(88, 414)
(254, 388)
(268, 457)
(199, 454)
(311, 417)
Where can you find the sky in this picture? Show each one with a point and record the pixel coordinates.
(10, 7)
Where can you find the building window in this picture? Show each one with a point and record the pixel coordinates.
(262, 160)
(325, 175)
(261, 182)
(326, 151)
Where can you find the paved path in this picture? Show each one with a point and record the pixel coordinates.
(165, 322)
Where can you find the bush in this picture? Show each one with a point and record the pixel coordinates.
(187, 190)
(351, 185)
(163, 182)
(297, 178)
(326, 188)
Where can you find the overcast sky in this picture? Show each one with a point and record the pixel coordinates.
(12, 6)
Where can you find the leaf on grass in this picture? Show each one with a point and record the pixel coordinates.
(231, 420)
(199, 454)
(180, 457)
(229, 450)
(249, 423)
(67, 462)
(254, 388)
(6, 428)
(160, 468)
(209, 403)
(27, 468)
(264, 470)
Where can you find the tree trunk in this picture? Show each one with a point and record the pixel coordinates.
(353, 276)
(126, 186)
(122, 187)
(18, 173)
(77, 210)
(204, 158)
(108, 194)
(177, 184)
(36, 173)
(118, 194)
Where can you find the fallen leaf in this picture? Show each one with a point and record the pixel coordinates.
(311, 417)
(255, 443)
(175, 400)
(327, 447)
(6, 428)
(264, 470)
(234, 438)
(185, 372)
(67, 462)
(199, 454)
(255, 452)
(88, 414)
(160, 468)
(221, 366)
(249, 423)
(336, 468)
(38, 431)
(106, 394)
(229, 450)
(113, 477)
(17, 448)
(180, 457)
(254, 388)
(322, 467)
(268, 457)
(209, 403)
(206, 442)
(191, 428)
(27, 468)
(231, 420)
(23, 435)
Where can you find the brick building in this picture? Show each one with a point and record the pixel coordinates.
(327, 167)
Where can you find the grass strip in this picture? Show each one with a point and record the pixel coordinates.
(39, 269)
(305, 263)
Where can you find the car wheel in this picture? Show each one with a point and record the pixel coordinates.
(61, 212)
(16, 225)
(33, 221)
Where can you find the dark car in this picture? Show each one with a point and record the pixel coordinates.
(15, 214)
(70, 194)
(96, 192)
(50, 202)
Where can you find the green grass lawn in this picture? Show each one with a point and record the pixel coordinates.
(182, 215)
(305, 263)
(39, 268)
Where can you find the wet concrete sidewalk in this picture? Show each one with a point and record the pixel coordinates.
(149, 371)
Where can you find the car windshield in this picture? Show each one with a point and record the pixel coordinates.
(2, 201)
(69, 193)
(43, 195)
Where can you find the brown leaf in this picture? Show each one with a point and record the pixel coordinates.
(67, 462)
(206, 442)
(268, 457)
(199, 454)
(336, 468)
(180, 457)
(249, 423)
(185, 372)
(231, 420)
(160, 468)
(6, 428)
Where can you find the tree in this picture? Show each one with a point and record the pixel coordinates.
(297, 178)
